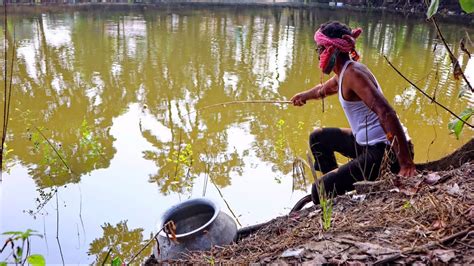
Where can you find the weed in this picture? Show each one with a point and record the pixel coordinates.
(326, 206)
(18, 252)
(89, 141)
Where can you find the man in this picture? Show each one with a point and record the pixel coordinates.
(374, 125)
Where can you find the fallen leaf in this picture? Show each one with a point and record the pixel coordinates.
(444, 255)
(409, 191)
(293, 253)
(314, 213)
(318, 259)
(457, 71)
(354, 263)
(359, 198)
(438, 224)
(359, 257)
(454, 190)
(470, 215)
(432, 178)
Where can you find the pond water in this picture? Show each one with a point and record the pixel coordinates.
(123, 98)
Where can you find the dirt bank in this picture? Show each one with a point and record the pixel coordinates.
(427, 219)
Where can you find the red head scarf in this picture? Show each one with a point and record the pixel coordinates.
(345, 44)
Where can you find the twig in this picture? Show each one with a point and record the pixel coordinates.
(225, 201)
(149, 241)
(54, 149)
(57, 228)
(426, 246)
(454, 61)
(424, 93)
(106, 256)
(240, 102)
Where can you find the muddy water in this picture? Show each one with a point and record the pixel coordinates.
(122, 97)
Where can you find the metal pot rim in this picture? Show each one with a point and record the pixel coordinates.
(187, 203)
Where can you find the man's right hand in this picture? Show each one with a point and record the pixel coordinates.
(299, 99)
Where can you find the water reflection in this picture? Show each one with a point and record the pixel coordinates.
(119, 242)
(75, 68)
(77, 74)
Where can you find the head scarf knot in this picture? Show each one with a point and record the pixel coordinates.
(345, 44)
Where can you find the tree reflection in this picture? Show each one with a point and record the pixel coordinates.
(119, 242)
(178, 62)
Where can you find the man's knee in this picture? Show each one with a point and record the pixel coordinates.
(315, 136)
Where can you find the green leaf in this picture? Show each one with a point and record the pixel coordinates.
(433, 8)
(3, 263)
(116, 262)
(467, 5)
(36, 260)
(19, 252)
(14, 233)
(456, 125)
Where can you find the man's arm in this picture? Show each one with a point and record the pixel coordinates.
(364, 87)
(319, 91)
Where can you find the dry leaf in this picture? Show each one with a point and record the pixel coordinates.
(470, 215)
(432, 178)
(444, 255)
(293, 253)
(318, 259)
(170, 228)
(454, 190)
(457, 71)
(438, 224)
(409, 191)
(463, 47)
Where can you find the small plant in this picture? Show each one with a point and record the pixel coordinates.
(18, 252)
(407, 205)
(325, 202)
(326, 206)
(281, 140)
(89, 141)
(7, 162)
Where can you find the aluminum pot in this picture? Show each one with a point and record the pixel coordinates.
(200, 224)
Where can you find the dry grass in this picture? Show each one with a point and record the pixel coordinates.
(416, 221)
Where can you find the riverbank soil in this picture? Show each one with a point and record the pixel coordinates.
(426, 219)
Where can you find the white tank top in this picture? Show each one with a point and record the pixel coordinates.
(364, 122)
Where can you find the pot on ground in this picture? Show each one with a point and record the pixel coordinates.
(200, 224)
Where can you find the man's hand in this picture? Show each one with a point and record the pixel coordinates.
(407, 170)
(299, 99)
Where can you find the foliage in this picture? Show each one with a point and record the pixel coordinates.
(326, 206)
(433, 8)
(456, 125)
(7, 162)
(281, 140)
(117, 261)
(118, 244)
(467, 5)
(89, 142)
(19, 254)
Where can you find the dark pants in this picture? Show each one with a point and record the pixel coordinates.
(364, 166)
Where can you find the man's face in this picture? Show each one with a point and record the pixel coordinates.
(320, 50)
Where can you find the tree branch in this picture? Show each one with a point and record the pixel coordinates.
(424, 93)
(454, 61)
